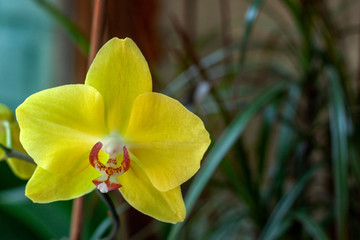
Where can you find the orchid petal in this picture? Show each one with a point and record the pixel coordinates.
(139, 193)
(20, 168)
(168, 140)
(60, 125)
(5, 113)
(120, 73)
(45, 186)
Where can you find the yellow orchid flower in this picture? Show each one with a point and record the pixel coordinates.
(20, 168)
(78, 134)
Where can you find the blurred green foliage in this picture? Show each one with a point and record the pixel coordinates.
(289, 168)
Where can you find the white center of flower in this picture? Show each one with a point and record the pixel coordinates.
(113, 145)
(103, 187)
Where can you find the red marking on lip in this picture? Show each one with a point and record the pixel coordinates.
(94, 154)
(125, 164)
(110, 185)
(108, 171)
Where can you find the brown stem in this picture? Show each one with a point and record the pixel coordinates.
(97, 28)
(95, 41)
(77, 218)
(12, 153)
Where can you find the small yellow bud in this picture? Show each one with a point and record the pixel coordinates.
(6, 113)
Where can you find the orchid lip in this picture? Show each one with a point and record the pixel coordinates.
(108, 181)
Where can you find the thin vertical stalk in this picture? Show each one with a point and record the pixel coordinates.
(77, 218)
(97, 29)
(339, 151)
(95, 41)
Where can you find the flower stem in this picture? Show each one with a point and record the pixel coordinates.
(77, 218)
(116, 222)
(11, 153)
(95, 41)
(97, 28)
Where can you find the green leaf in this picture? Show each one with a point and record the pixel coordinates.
(250, 17)
(354, 160)
(79, 38)
(315, 231)
(13, 196)
(235, 181)
(263, 141)
(285, 144)
(46, 220)
(273, 227)
(222, 146)
(339, 154)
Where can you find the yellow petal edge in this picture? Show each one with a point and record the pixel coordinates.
(45, 186)
(60, 124)
(139, 193)
(168, 140)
